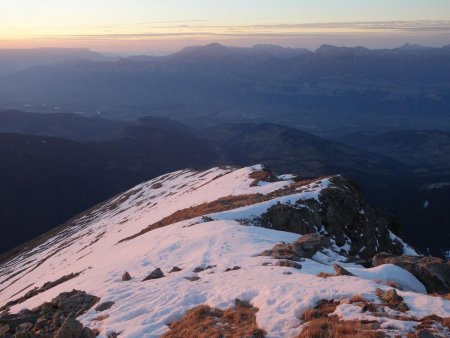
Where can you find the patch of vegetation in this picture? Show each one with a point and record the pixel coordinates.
(205, 322)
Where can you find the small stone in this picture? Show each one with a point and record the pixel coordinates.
(234, 268)
(126, 276)
(192, 278)
(155, 274)
(202, 268)
(345, 301)
(104, 306)
(175, 269)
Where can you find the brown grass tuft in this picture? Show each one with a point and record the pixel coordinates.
(205, 322)
(445, 295)
(358, 299)
(392, 284)
(325, 275)
(331, 327)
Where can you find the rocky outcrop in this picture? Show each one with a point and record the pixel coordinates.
(36, 291)
(354, 228)
(305, 247)
(55, 319)
(433, 272)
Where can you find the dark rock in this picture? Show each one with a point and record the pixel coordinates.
(104, 306)
(4, 329)
(87, 333)
(24, 327)
(155, 274)
(126, 277)
(234, 268)
(71, 328)
(242, 303)
(40, 323)
(432, 272)
(426, 334)
(175, 269)
(192, 278)
(203, 268)
(340, 271)
(289, 264)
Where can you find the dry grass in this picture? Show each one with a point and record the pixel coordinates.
(325, 275)
(331, 327)
(321, 325)
(219, 205)
(445, 296)
(322, 310)
(205, 322)
(358, 299)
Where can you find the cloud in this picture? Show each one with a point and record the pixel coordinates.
(181, 29)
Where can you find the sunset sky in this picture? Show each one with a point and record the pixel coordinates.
(158, 27)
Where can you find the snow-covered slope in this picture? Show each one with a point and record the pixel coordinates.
(194, 219)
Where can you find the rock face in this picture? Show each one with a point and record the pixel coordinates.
(54, 319)
(305, 247)
(342, 215)
(434, 273)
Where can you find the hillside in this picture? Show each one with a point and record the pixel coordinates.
(246, 241)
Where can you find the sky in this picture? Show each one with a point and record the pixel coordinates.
(163, 26)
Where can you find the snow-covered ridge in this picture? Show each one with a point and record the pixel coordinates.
(92, 245)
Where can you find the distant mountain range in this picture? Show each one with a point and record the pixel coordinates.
(15, 60)
(71, 162)
(331, 91)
